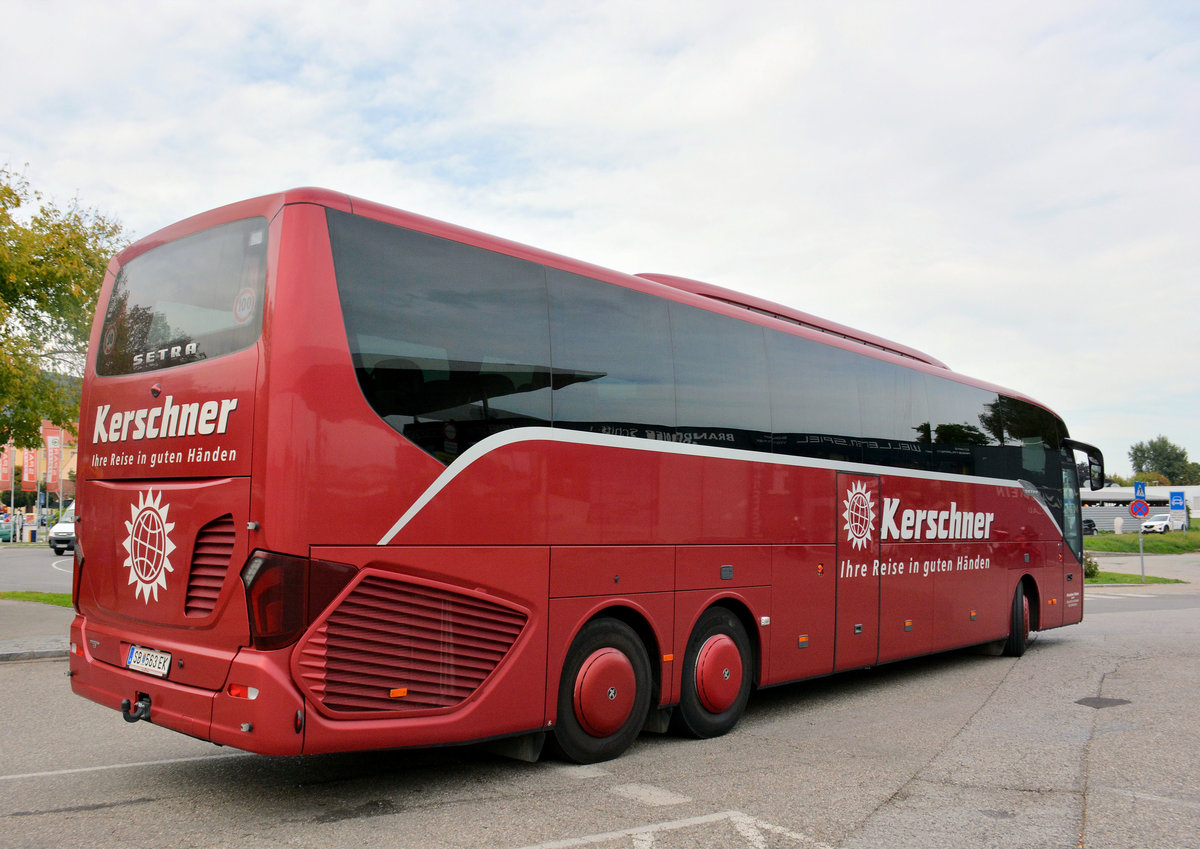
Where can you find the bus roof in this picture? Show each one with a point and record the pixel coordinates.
(789, 314)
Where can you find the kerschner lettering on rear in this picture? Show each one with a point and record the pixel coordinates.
(166, 421)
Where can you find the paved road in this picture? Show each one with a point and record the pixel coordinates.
(34, 568)
(1087, 740)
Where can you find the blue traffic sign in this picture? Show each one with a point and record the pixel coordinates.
(1139, 489)
(1177, 501)
(1139, 509)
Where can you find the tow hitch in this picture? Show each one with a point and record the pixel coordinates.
(141, 710)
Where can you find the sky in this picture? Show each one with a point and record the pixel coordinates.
(1012, 187)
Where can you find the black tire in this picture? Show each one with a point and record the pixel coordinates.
(1018, 634)
(598, 716)
(58, 551)
(716, 676)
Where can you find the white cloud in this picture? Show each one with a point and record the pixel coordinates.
(1011, 187)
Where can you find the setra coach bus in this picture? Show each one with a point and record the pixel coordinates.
(353, 478)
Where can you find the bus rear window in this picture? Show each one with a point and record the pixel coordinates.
(196, 298)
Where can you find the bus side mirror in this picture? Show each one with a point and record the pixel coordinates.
(1095, 461)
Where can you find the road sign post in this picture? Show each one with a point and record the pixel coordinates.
(1179, 505)
(1139, 508)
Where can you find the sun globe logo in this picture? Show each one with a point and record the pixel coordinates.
(859, 515)
(149, 545)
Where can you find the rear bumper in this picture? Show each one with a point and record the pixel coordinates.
(271, 723)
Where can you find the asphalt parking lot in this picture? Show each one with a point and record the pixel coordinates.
(1087, 740)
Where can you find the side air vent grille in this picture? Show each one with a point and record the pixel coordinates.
(394, 645)
(210, 561)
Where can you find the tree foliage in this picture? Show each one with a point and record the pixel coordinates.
(1163, 457)
(52, 262)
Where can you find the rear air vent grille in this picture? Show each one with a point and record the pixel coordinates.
(210, 561)
(393, 645)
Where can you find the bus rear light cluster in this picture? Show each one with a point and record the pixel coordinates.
(285, 594)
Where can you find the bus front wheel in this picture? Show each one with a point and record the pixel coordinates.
(716, 675)
(604, 692)
(1018, 634)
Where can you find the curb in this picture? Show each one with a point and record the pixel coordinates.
(47, 648)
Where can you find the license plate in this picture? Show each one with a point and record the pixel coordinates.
(157, 663)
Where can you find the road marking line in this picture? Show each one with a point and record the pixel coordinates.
(648, 794)
(642, 837)
(80, 770)
(1150, 797)
(580, 770)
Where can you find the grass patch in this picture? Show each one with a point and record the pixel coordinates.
(1120, 578)
(57, 599)
(1175, 542)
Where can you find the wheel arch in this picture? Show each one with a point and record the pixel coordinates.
(1032, 592)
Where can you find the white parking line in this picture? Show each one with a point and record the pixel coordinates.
(1150, 797)
(648, 794)
(85, 769)
(579, 770)
(754, 833)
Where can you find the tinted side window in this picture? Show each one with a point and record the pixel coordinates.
(450, 342)
(895, 410)
(612, 358)
(720, 380)
(814, 399)
(1032, 438)
(961, 426)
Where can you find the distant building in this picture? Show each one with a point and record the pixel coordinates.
(1106, 506)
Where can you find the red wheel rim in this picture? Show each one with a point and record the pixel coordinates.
(605, 690)
(718, 673)
(1025, 615)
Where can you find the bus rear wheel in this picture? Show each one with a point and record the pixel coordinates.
(604, 692)
(716, 675)
(1018, 634)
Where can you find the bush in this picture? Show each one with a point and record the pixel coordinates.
(1090, 567)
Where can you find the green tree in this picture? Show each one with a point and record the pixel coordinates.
(52, 262)
(1162, 456)
(1152, 478)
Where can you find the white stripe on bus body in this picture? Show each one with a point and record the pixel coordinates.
(631, 443)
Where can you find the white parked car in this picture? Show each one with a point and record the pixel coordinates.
(1159, 524)
(62, 535)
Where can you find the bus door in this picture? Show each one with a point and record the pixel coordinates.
(856, 640)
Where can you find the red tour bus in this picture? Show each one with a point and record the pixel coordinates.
(352, 478)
